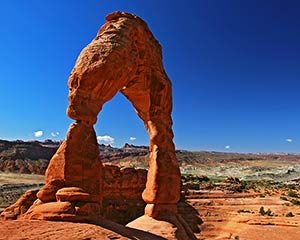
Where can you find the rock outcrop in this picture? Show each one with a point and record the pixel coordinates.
(122, 193)
(21, 206)
(123, 57)
(122, 197)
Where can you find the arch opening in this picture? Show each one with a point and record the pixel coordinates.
(119, 120)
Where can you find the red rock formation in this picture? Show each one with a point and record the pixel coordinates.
(21, 206)
(121, 198)
(73, 179)
(122, 193)
(48, 192)
(126, 57)
(123, 57)
(77, 160)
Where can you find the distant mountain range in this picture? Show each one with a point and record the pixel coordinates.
(33, 156)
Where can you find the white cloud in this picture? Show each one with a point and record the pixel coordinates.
(106, 139)
(289, 140)
(38, 133)
(54, 134)
(227, 146)
(132, 138)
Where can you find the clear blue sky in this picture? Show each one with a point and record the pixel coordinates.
(235, 68)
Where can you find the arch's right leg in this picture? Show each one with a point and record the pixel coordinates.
(154, 104)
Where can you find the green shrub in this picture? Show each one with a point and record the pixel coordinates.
(269, 212)
(263, 212)
(295, 202)
(291, 186)
(292, 194)
(290, 214)
(283, 198)
(243, 211)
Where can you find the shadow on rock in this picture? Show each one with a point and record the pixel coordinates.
(127, 232)
(190, 216)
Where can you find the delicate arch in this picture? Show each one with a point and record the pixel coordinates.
(125, 57)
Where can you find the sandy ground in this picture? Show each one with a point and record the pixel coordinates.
(16, 178)
(231, 217)
(25, 229)
(224, 216)
(46, 230)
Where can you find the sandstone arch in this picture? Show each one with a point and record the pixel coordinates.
(123, 57)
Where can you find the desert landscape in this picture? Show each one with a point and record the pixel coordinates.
(223, 195)
(221, 76)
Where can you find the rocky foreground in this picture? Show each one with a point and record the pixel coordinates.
(250, 210)
(260, 199)
(31, 229)
(228, 209)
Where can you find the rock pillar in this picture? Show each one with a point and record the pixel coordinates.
(163, 181)
(77, 161)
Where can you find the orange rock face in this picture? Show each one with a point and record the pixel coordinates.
(123, 57)
(77, 160)
(21, 206)
(47, 192)
(122, 193)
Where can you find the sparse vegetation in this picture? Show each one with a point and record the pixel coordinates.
(289, 214)
(291, 186)
(263, 212)
(284, 198)
(292, 194)
(244, 186)
(295, 201)
(194, 178)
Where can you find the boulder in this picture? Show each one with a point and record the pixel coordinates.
(50, 211)
(72, 194)
(48, 191)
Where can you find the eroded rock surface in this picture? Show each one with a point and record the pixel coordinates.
(122, 197)
(123, 57)
(122, 193)
(48, 192)
(21, 206)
